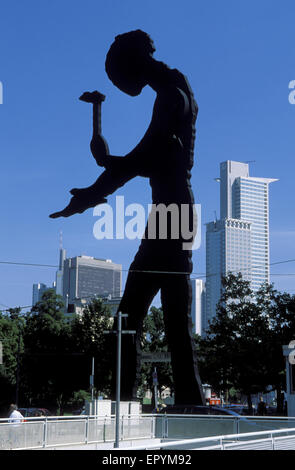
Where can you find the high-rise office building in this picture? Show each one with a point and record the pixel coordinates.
(60, 272)
(239, 241)
(85, 277)
(38, 291)
(198, 305)
(81, 278)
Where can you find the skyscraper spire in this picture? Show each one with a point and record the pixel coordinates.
(60, 240)
(59, 273)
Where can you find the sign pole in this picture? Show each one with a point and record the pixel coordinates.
(92, 381)
(155, 382)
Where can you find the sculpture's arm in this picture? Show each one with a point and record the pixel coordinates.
(170, 106)
(107, 183)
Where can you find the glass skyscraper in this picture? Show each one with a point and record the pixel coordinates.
(239, 241)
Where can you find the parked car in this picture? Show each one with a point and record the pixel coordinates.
(238, 408)
(80, 411)
(34, 412)
(77, 412)
(197, 410)
(247, 424)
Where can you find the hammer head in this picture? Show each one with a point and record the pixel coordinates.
(92, 97)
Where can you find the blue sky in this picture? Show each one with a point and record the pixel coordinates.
(239, 58)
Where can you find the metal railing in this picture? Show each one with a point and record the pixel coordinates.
(283, 439)
(37, 433)
(199, 426)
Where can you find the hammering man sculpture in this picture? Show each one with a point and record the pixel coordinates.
(165, 156)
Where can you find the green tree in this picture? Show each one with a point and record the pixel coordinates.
(280, 308)
(89, 339)
(235, 353)
(11, 337)
(48, 361)
(154, 340)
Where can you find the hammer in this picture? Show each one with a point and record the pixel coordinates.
(98, 144)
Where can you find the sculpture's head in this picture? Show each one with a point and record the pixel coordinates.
(127, 61)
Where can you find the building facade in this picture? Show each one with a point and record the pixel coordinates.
(81, 278)
(85, 277)
(239, 240)
(38, 291)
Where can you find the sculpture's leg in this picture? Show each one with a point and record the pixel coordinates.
(176, 295)
(139, 292)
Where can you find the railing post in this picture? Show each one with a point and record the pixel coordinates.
(165, 427)
(104, 429)
(86, 429)
(153, 427)
(272, 441)
(44, 433)
(237, 425)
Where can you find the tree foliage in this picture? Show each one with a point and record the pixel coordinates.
(53, 353)
(46, 365)
(154, 340)
(89, 338)
(243, 347)
(11, 337)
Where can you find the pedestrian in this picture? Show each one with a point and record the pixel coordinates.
(261, 407)
(14, 415)
(15, 418)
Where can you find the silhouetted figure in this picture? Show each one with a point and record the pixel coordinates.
(261, 407)
(165, 156)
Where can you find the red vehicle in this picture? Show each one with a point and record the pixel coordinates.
(34, 412)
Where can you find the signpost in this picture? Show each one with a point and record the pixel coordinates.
(156, 357)
(155, 384)
(92, 380)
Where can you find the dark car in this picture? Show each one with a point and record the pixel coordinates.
(248, 424)
(197, 410)
(238, 408)
(34, 412)
(80, 411)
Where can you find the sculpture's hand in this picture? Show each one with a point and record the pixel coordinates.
(99, 149)
(77, 205)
